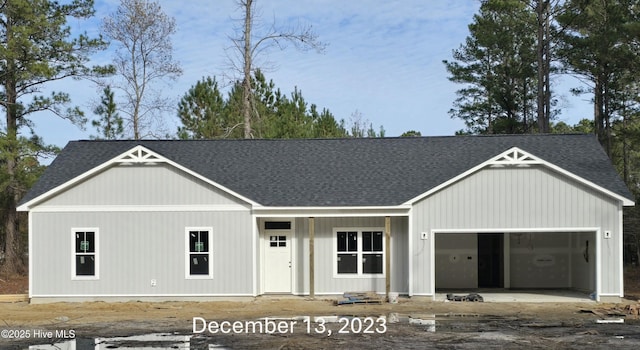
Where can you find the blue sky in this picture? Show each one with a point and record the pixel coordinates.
(383, 59)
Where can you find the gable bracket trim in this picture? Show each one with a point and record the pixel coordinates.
(515, 157)
(140, 154)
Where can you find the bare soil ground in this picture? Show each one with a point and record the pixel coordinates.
(632, 283)
(14, 284)
(457, 325)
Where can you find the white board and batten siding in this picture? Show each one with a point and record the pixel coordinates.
(518, 199)
(142, 213)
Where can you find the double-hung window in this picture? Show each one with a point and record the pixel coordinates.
(359, 251)
(85, 253)
(199, 253)
(372, 258)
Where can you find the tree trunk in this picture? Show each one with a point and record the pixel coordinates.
(625, 146)
(607, 120)
(544, 95)
(13, 263)
(136, 119)
(246, 82)
(547, 71)
(598, 113)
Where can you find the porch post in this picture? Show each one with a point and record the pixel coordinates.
(387, 256)
(311, 258)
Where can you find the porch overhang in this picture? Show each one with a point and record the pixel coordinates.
(293, 212)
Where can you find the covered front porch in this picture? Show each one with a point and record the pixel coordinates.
(332, 253)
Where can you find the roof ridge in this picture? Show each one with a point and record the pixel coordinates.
(339, 138)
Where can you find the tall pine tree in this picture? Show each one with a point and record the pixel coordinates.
(600, 44)
(109, 125)
(36, 47)
(496, 65)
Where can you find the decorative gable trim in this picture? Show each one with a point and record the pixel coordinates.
(519, 158)
(140, 154)
(136, 155)
(515, 156)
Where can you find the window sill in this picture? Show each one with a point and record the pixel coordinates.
(83, 278)
(359, 276)
(199, 277)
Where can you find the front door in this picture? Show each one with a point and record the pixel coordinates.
(277, 259)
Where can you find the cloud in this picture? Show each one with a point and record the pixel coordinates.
(384, 58)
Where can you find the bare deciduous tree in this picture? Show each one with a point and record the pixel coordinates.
(247, 45)
(143, 57)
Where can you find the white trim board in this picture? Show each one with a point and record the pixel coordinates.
(360, 253)
(130, 296)
(96, 254)
(305, 212)
(137, 208)
(188, 252)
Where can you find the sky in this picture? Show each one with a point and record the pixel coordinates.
(383, 59)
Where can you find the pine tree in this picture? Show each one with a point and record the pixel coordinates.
(600, 44)
(496, 65)
(109, 126)
(202, 112)
(37, 48)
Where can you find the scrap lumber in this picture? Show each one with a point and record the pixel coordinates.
(474, 297)
(631, 311)
(359, 298)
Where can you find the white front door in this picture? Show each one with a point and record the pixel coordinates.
(277, 259)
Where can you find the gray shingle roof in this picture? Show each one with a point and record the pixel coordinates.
(340, 172)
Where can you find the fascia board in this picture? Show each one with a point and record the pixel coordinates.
(341, 211)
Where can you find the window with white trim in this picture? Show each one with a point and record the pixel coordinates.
(359, 251)
(85, 253)
(199, 252)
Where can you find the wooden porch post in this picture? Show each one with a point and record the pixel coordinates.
(312, 293)
(387, 256)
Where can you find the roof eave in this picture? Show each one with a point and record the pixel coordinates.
(330, 211)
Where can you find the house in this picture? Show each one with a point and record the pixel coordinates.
(184, 220)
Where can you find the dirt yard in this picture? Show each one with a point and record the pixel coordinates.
(525, 325)
(458, 325)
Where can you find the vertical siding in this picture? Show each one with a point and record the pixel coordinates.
(137, 247)
(158, 184)
(325, 256)
(516, 198)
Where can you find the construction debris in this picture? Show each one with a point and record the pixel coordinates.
(475, 297)
(631, 312)
(360, 298)
(611, 320)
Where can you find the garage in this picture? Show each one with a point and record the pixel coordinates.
(516, 260)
